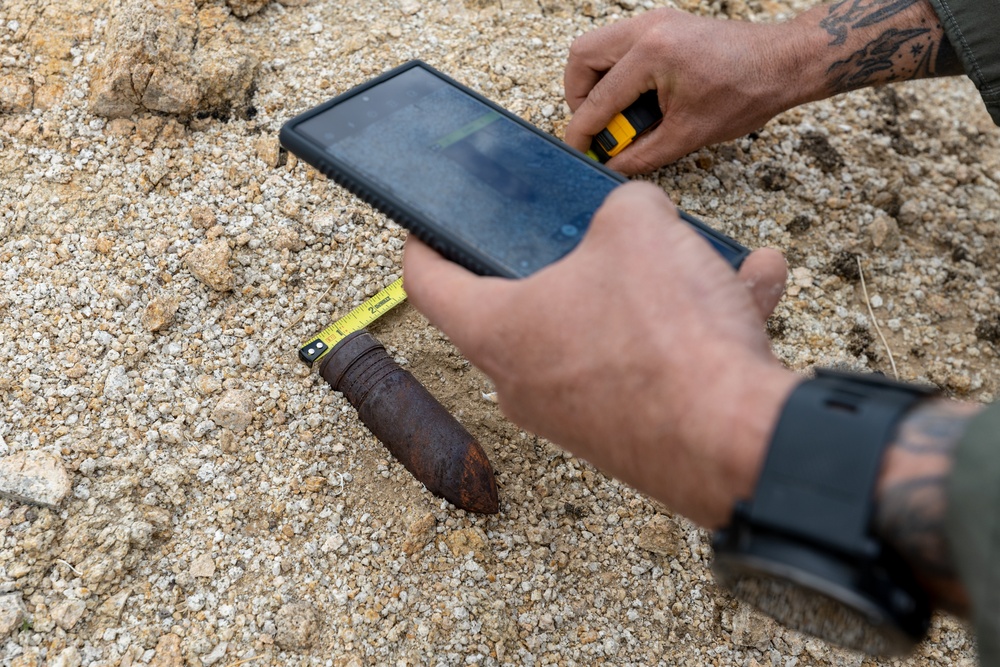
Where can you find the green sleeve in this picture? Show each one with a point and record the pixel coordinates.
(973, 526)
(973, 28)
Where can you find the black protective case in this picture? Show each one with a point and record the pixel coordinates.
(428, 230)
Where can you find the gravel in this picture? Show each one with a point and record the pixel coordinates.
(159, 272)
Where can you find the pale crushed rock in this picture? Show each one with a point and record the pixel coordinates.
(662, 535)
(34, 477)
(16, 93)
(203, 566)
(419, 533)
(209, 263)
(168, 652)
(117, 383)
(295, 625)
(577, 569)
(114, 605)
(160, 312)
(234, 410)
(11, 614)
(68, 657)
(244, 8)
(67, 613)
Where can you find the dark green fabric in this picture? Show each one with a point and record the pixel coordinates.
(973, 526)
(973, 27)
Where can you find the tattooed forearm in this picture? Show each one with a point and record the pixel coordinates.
(912, 495)
(894, 56)
(885, 41)
(853, 14)
(934, 429)
(911, 513)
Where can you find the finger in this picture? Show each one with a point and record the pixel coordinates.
(764, 272)
(449, 295)
(625, 209)
(433, 283)
(616, 90)
(651, 151)
(593, 54)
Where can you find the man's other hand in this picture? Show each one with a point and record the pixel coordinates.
(641, 351)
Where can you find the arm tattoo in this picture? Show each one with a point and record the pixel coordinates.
(911, 508)
(894, 55)
(912, 513)
(909, 44)
(935, 428)
(858, 14)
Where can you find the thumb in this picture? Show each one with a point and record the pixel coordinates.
(764, 273)
(451, 297)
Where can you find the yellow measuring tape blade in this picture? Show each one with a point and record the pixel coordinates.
(372, 309)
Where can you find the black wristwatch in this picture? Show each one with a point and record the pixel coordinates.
(802, 549)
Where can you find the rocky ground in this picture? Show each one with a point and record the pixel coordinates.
(199, 497)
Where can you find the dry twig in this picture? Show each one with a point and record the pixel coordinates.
(864, 288)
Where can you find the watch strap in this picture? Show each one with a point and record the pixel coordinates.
(825, 457)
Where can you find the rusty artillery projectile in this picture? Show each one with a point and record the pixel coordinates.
(411, 423)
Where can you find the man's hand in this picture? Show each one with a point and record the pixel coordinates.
(718, 80)
(641, 351)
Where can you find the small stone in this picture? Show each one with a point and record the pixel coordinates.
(468, 540)
(419, 533)
(289, 239)
(662, 535)
(324, 224)
(117, 384)
(68, 657)
(802, 276)
(209, 263)
(332, 543)
(909, 212)
(30, 658)
(113, 607)
(269, 151)
(11, 614)
(244, 8)
(296, 625)
(168, 652)
(250, 357)
(76, 372)
(234, 410)
(885, 233)
(202, 217)
(168, 475)
(171, 432)
(206, 384)
(67, 613)
(34, 477)
(159, 314)
(16, 94)
(203, 566)
(215, 655)
(120, 127)
(409, 7)
(751, 629)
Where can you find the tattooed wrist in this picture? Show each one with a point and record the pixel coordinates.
(911, 495)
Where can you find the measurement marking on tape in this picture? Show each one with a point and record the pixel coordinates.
(375, 307)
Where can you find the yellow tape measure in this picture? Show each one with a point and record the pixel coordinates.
(372, 309)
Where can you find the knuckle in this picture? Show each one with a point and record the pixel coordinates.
(580, 46)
